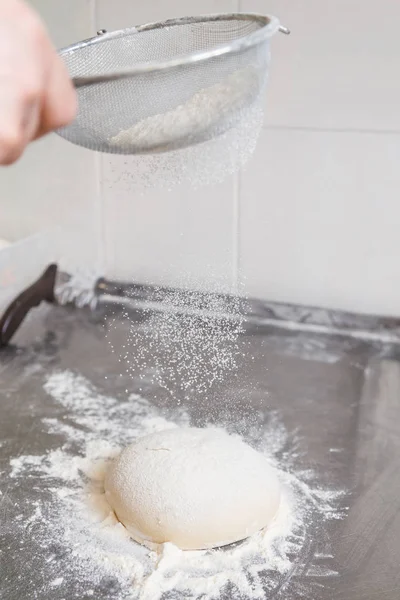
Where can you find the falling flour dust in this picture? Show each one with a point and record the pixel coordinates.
(214, 135)
(203, 164)
(183, 348)
(87, 553)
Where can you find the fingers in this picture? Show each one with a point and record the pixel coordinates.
(20, 110)
(59, 101)
(36, 94)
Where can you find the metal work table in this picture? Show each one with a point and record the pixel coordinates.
(338, 392)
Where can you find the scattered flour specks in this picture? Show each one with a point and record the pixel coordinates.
(207, 163)
(184, 348)
(87, 552)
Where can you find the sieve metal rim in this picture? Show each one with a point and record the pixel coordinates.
(270, 25)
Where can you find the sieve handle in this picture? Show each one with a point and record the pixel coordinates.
(79, 82)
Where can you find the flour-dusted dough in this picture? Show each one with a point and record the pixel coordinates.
(196, 488)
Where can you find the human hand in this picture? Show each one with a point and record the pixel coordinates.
(36, 94)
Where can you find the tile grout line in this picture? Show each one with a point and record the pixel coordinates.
(99, 199)
(237, 5)
(99, 195)
(330, 130)
(235, 232)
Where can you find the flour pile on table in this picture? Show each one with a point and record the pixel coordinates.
(86, 552)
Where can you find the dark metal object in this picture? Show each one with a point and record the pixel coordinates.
(286, 316)
(40, 291)
(52, 286)
(340, 394)
(308, 318)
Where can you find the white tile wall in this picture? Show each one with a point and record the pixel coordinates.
(53, 184)
(338, 68)
(312, 220)
(117, 14)
(180, 237)
(56, 183)
(183, 237)
(319, 204)
(67, 20)
(320, 218)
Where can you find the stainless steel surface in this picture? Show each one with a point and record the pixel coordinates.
(127, 77)
(336, 392)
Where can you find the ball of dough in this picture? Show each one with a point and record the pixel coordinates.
(196, 488)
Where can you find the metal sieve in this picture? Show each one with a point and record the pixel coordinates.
(170, 85)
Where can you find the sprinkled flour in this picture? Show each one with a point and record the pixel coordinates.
(207, 113)
(207, 163)
(95, 550)
(184, 347)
